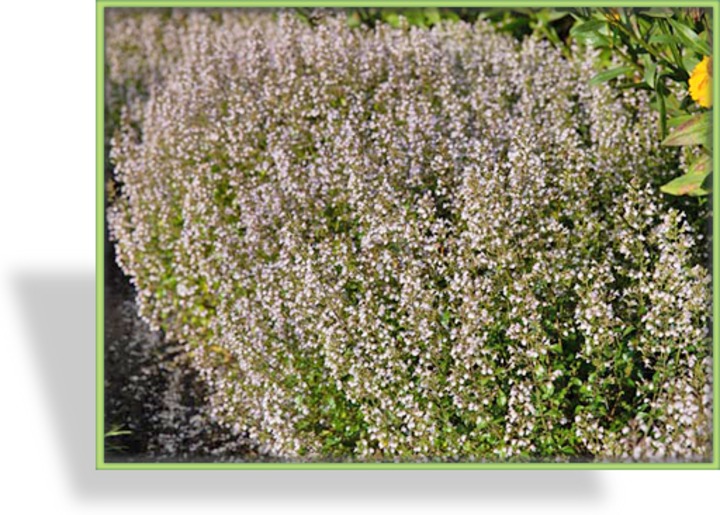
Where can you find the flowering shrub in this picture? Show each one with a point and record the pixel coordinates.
(409, 244)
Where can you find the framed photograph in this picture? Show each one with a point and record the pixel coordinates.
(352, 235)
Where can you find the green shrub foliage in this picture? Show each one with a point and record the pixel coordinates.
(409, 244)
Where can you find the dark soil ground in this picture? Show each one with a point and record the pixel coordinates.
(152, 393)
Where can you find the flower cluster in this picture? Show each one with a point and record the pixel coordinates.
(408, 244)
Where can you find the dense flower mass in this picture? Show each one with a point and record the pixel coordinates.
(408, 244)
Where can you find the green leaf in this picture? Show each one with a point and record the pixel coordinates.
(679, 120)
(703, 165)
(610, 74)
(695, 131)
(692, 182)
(547, 16)
(690, 38)
(662, 105)
(445, 319)
(688, 184)
(690, 62)
(589, 32)
(650, 67)
(117, 431)
(586, 28)
(657, 13)
(597, 40)
(664, 39)
(501, 399)
(673, 106)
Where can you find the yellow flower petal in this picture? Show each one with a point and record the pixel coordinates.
(701, 83)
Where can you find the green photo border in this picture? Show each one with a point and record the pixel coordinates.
(101, 5)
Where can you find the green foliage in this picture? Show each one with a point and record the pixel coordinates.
(658, 49)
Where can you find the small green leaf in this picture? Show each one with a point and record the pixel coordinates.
(695, 131)
(610, 74)
(501, 400)
(650, 67)
(445, 319)
(692, 182)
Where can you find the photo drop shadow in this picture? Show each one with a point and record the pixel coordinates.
(59, 315)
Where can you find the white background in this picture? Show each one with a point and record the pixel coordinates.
(47, 256)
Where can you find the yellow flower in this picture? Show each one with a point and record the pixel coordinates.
(701, 83)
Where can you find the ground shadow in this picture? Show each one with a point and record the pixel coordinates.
(59, 312)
